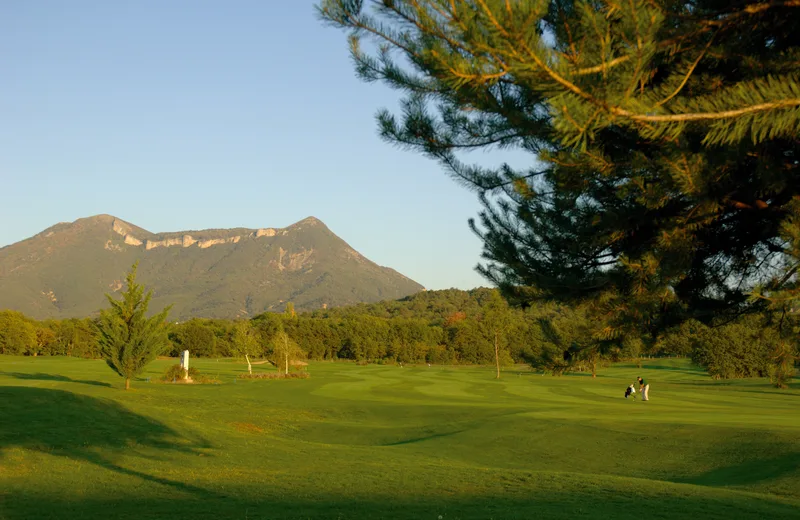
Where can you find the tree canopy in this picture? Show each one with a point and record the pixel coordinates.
(443, 327)
(663, 182)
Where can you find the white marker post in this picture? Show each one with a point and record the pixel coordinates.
(185, 364)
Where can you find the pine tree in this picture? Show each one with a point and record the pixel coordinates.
(665, 162)
(783, 359)
(129, 340)
(570, 339)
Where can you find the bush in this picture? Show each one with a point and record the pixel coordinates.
(174, 374)
(275, 375)
(733, 351)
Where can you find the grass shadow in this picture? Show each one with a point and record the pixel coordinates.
(773, 392)
(749, 472)
(51, 377)
(76, 426)
(423, 438)
(710, 382)
(561, 505)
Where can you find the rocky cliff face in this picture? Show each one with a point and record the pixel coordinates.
(124, 230)
(65, 270)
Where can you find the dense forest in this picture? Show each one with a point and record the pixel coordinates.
(439, 327)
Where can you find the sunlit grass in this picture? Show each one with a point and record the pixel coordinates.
(390, 442)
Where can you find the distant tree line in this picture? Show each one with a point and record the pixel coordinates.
(439, 327)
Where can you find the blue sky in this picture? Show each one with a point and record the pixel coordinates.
(190, 114)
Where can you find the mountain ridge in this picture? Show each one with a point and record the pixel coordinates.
(64, 270)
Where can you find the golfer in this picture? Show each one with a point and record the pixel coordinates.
(644, 388)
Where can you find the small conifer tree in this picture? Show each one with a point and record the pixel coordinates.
(127, 338)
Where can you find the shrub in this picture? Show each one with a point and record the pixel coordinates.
(275, 375)
(733, 351)
(174, 374)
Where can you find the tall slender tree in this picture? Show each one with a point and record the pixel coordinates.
(129, 340)
(496, 321)
(664, 180)
(245, 342)
(284, 350)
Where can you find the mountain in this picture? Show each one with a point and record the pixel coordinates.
(65, 270)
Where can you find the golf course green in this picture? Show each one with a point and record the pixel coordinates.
(389, 442)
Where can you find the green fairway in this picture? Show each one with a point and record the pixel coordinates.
(390, 442)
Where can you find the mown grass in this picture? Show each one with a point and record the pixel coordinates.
(389, 442)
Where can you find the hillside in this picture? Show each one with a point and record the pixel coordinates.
(65, 270)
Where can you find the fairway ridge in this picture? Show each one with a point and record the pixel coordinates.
(385, 442)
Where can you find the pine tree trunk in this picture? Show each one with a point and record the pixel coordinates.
(127, 383)
(594, 369)
(286, 351)
(249, 366)
(497, 354)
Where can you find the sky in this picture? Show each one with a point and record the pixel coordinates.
(193, 114)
